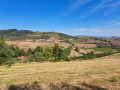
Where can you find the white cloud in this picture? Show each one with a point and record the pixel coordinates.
(95, 30)
(76, 5)
(87, 29)
(81, 29)
(114, 24)
(99, 6)
(108, 7)
(112, 7)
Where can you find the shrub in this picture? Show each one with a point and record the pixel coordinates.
(47, 52)
(1, 38)
(38, 49)
(51, 60)
(36, 57)
(92, 56)
(73, 44)
(114, 79)
(10, 63)
(76, 49)
(59, 53)
(17, 51)
(22, 52)
(25, 61)
(64, 56)
(30, 51)
(68, 50)
(6, 53)
(118, 50)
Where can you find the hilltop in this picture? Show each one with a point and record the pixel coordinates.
(80, 41)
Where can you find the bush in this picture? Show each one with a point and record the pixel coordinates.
(29, 51)
(60, 53)
(6, 53)
(76, 49)
(38, 49)
(1, 38)
(57, 51)
(22, 52)
(10, 63)
(68, 50)
(47, 52)
(92, 56)
(36, 57)
(114, 79)
(64, 56)
(51, 60)
(118, 50)
(17, 51)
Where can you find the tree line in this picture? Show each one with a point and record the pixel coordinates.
(55, 53)
(39, 54)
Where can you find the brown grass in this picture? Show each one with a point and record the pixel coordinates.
(96, 72)
(31, 44)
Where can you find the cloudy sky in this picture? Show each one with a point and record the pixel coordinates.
(74, 17)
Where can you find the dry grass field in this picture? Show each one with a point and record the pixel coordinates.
(98, 74)
(28, 44)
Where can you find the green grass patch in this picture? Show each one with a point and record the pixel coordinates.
(91, 56)
(114, 79)
(104, 49)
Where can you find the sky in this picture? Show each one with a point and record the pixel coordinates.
(73, 17)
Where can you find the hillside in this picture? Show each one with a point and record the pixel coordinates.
(15, 34)
(60, 38)
(80, 63)
(98, 74)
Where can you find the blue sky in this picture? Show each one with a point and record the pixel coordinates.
(74, 17)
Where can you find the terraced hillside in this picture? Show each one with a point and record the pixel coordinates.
(60, 38)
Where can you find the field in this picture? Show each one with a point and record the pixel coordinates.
(25, 44)
(98, 74)
(104, 49)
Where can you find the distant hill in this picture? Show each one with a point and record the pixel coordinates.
(30, 34)
(7, 32)
(14, 34)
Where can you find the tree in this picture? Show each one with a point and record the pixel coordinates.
(118, 50)
(22, 52)
(68, 50)
(1, 38)
(17, 51)
(6, 53)
(38, 49)
(76, 49)
(64, 56)
(29, 51)
(59, 53)
(47, 52)
(57, 50)
(36, 57)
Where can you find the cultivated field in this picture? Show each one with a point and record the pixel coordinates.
(97, 74)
